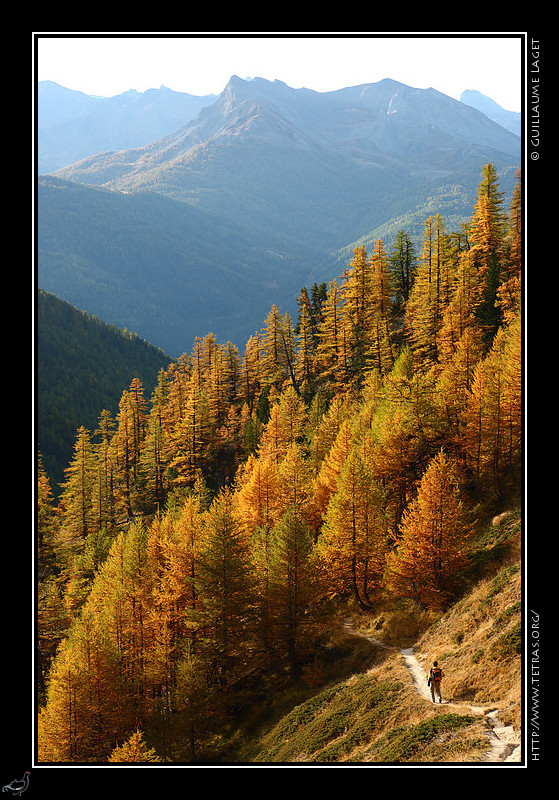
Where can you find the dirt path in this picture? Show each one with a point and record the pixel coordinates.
(504, 741)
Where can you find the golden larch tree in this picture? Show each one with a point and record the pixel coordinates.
(326, 482)
(353, 540)
(434, 541)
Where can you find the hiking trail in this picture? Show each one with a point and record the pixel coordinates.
(504, 741)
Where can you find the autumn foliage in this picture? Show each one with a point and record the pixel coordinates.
(201, 533)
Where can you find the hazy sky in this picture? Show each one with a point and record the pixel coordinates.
(107, 64)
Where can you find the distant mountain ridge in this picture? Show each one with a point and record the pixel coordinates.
(511, 120)
(379, 139)
(73, 125)
(268, 151)
(360, 120)
(299, 175)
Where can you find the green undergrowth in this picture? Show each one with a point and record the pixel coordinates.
(329, 726)
(347, 723)
(405, 743)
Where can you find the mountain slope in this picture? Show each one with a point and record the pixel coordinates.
(169, 271)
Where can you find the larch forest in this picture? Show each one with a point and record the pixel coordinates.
(203, 534)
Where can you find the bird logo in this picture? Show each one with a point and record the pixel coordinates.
(17, 787)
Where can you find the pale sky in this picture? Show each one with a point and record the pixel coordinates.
(107, 64)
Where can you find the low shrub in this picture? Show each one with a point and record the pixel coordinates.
(403, 743)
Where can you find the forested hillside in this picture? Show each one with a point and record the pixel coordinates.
(205, 533)
(82, 364)
(160, 267)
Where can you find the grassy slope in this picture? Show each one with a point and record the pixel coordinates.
(375, 714)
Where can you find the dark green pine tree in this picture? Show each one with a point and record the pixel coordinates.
(402, 261)
(318, 296)
(225, 594)
(290, 577)
(46, 524)
(487, 235)
(357, 309)
(77, 518)
(306, 339)
(103, 491)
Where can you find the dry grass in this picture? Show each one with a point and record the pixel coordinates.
(400, 627)
(478, 641)
(461, 738)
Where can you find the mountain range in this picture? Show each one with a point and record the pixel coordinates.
(260, 192)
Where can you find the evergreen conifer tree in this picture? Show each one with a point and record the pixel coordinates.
(402, 261)
(291, 583)
(77, 518)
(226, 592)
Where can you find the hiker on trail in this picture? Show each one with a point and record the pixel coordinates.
(434, 681)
